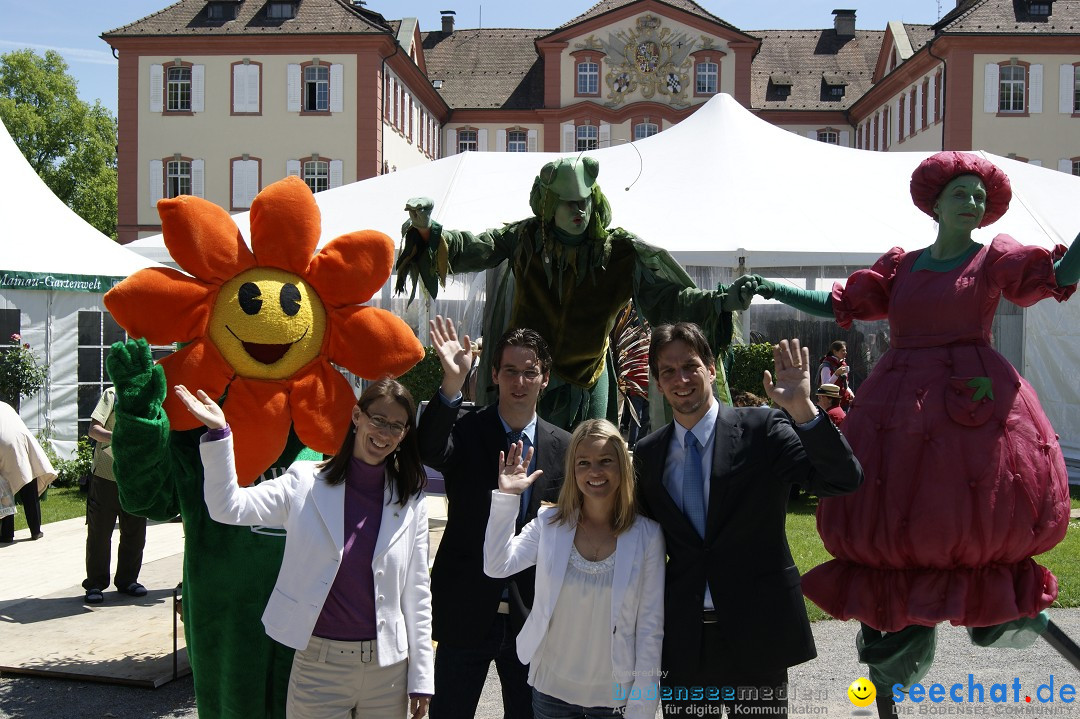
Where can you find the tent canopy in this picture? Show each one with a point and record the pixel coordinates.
(47, 246)
(719, 186)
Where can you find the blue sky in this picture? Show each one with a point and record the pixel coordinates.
(73, 27)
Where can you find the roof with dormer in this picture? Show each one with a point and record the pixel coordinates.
(489, 68)
(322, 17)
(1010, 17)
(813, 61)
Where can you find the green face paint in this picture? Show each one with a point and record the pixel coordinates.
(572, 216)
(962, 204)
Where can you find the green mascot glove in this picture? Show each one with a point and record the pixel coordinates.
(739, 294)
(140, 383)
(765, 288)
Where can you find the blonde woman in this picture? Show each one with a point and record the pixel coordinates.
(592, 641)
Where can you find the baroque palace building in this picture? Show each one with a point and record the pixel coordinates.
(218, 98)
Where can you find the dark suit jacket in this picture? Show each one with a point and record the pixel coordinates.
(744, 557)
(464, 600)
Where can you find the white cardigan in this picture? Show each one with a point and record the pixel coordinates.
(637, 592)
(313, 514)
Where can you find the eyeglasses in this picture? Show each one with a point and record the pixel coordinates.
(530, 375)
(382, 424)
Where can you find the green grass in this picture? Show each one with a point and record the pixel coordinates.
(808, 551)
(60, 503)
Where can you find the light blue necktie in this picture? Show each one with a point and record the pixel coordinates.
(693, 485)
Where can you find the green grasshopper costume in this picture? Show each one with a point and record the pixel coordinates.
(565, 274)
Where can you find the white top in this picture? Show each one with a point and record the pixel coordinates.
(580, 620)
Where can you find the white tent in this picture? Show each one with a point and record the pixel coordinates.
(54, 270)
(726, 190)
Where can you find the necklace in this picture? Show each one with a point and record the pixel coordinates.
(594, 547)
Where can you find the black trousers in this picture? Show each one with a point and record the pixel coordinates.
(102, 509)
(460, 673)
(715, 684)
(31, 507)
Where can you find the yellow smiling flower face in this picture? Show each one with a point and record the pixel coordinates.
(268, 323)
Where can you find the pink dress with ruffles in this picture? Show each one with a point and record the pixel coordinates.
(959, 492)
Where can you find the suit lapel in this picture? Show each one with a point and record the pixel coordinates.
(543, 454)
(662, 503)
(330, 504)
(726, 433)
(626, 553)
(394, 520)
(560, 557)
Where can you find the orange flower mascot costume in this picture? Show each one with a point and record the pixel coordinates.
(261, 327)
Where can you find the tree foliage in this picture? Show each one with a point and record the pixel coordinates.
(69, 143)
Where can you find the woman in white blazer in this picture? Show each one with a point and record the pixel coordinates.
(352, 594)
(593, 638)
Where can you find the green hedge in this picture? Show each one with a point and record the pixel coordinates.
(423, 379)
(747, 365)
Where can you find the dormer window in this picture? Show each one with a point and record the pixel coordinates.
(779, 87)
(832, 86)
(221, 9)
(276, 10)
(1039, 8)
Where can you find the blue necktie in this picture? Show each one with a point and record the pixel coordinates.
(523, 506)
(693, 485)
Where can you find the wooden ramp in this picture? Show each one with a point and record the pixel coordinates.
(123, 641)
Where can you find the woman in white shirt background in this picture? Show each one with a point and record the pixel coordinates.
(352, 594)
(593, 638)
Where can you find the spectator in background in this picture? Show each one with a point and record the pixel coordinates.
(748, 399)
(25, 470)
(102, 509)
(828, 398)
(834, 369)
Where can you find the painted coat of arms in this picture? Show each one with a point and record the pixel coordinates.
(649, 58)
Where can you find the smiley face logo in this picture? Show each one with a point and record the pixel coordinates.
(268, 323)
(861, 692)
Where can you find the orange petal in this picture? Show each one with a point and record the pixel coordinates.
(203, 239)
(285, 225)
(321, 400)
(162, 305)
(352, 268)
(197, 366)
(258, 414)
(372, 343)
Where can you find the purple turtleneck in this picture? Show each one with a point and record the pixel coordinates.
(349, 612)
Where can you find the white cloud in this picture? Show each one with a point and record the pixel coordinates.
(71, 54)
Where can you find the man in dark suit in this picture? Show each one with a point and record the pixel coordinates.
(475, 619)
(717, 479)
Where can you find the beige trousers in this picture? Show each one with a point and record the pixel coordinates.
(341, 680)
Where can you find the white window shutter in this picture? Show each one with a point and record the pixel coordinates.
(568, 137)
(337, 173)
(811, 134)
(337, 88)
(931, 96)
(239, 101)
(532, 141)
(603, 136)
(157, 89)
(293, 89)
(918, 109)
(500, 141)
(239, 180)
(292, 168)
(894, 123)
(1035, 89)
(845, 138)
(252, 180)
(198, 89)
(451, 142)
(253, 86)
(481, 140)
(1036, 163)
(1066, 88)
(1065, 164)
(198, 178)
(157, 180)
(990, 88)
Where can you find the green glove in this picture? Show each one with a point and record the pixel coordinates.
(738, 295)
(812, 302)
(1067, 269)
(765, 288)
(140, 384)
